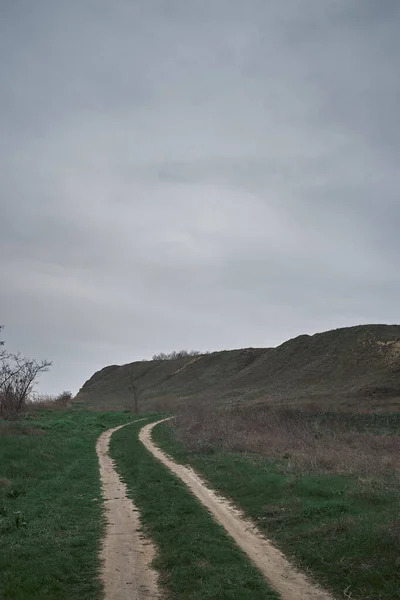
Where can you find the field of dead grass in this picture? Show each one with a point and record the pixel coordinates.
(306, 441)
(324, 487)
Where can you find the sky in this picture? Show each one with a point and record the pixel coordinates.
(198, 175)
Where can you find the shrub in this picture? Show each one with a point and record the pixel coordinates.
(18, 376)
(62, 400)
(174, 354)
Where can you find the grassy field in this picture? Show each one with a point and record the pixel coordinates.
(327, 494)
(196, 559)
(324, 487)
(51, 519)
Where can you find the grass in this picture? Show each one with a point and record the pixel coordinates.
(338, 519)
(340, 525)
(318, 442)
(51, 518)
(195, 558)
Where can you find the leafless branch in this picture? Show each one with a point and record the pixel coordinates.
(18, 375)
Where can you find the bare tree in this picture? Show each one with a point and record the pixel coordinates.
(2, 351)
(18, 375)
(133, 388)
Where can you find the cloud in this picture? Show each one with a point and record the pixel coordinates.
(195, 175)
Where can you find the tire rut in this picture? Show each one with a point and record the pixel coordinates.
(126, 555)
(281, 575)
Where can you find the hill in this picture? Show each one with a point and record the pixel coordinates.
(343, 368)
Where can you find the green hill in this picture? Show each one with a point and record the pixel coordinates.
(343, 368)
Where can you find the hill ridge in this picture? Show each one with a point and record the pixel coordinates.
(348, 367)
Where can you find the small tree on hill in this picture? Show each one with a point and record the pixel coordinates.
(133, 388)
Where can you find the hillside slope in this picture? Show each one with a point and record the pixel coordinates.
(343, 368)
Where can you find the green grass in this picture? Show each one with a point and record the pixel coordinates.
(344, 529)
(195, 558)
(51, 518)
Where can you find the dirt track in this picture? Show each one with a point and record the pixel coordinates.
(279, 573)
(126, 555)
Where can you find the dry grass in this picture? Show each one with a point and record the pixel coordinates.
(323, 486)
(44, 401)
(18, 428)
(108, 408)
(62, 401)
(301, 440)
(394, 529)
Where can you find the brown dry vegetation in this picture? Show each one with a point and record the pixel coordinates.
(33, 404)
(323, 486)
(302, 440)
(17, 428)
(61, 401)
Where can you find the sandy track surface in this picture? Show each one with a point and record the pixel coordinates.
(126, 555)
(290, 583)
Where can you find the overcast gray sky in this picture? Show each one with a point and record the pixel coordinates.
(195, 174)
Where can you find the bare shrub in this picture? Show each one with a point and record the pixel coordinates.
(175, 354)
(62, 400)
(18, 375)
(299, 440)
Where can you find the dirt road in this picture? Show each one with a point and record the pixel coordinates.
(126, 556)
(279, 573)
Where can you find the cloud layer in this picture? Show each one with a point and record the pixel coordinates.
(195, 175)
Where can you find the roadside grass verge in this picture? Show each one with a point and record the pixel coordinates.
(51, 517)
(195, 558)
(333, 510)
